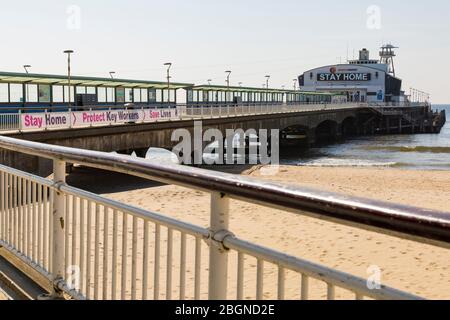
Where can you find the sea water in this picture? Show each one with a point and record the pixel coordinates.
(417, 151)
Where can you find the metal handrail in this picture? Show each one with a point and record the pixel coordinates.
(164, 105)
(315, 271)
(421, 225)
(15, 122)
(333, 278)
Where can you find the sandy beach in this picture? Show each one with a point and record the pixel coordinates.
(417, 268)
(2, 297)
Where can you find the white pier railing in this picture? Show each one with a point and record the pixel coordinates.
(9, 121)
(27, 121)
(84, 246)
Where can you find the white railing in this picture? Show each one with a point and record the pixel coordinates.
(41, 121)
(118, 251)
(404, 104)
(86, 246)
(205, 112)
(9, 121)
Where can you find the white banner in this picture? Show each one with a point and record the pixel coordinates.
(41, 121)
(107, 117)
(79, 119)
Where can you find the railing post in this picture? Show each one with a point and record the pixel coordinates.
(45, 128)
(59, 177)
(20, 120)
(218, 254)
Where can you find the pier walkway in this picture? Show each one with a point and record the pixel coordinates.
(136, 130)
(32, 121)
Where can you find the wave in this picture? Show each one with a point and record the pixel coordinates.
(418, 149)
(334, 162)
(350, 163)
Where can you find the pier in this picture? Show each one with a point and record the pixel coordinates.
(299, 125)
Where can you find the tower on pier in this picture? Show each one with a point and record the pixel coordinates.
(387, 55)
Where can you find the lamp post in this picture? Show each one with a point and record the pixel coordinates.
(168, 65)
(240, 84)
(26, 68)
(69, 53)
(267, 87)
(228, 72)
(209, 82)
(111, 74)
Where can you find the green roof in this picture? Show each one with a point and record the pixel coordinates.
(31, 78)
(252, 89)
(235, 89)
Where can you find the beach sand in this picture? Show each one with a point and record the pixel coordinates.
(2, 296)
(417, 268)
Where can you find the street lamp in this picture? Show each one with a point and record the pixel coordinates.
(111, 74)
(228, 72)
(26, 68)
(209, 82)
(69, 53)
(267, 88)
(168, 65)
(240, 84)
(267, 81)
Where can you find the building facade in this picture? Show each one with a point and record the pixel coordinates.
(362, 80)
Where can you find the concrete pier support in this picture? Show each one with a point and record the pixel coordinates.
(312, 136)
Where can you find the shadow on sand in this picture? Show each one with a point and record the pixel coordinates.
(105, 182)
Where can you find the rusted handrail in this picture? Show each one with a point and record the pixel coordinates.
(421, 225)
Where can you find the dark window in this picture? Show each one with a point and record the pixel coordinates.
(393, 86)
(301, 81)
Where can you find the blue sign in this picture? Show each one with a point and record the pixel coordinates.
(380, 95)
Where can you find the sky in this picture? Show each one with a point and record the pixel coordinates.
(203, 39)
